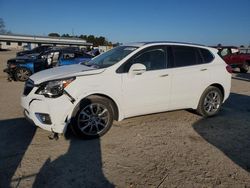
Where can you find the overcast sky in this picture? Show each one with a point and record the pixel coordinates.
(199, 21)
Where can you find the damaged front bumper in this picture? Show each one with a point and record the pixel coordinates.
(10, 72)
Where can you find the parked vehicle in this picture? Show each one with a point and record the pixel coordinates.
(234, 58)
(129, 80)
(94, 52)
(244, 50)
(21, 68)
(34, 51)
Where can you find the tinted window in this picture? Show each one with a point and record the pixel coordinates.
(68, 56)
(152, 58)
(186, 56)
(207, 56)
(82, 55)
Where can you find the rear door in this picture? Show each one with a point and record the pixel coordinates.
(190, 76)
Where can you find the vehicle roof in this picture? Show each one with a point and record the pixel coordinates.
(140, 44)
(218, 47)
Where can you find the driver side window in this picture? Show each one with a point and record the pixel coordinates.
(153, 58)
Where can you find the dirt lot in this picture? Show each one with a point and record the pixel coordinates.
(173, 149)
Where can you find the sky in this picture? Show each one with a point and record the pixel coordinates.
(206, 22)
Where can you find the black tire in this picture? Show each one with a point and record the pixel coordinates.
(22, 74)
(209, 107)
(92, 114)
(244, 68)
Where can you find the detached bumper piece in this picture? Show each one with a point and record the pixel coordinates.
(10, 73)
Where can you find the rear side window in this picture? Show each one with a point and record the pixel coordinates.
(186, 56)
(207, 55)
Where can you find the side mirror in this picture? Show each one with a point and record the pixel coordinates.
(137, 69)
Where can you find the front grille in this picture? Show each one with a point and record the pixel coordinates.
(29, 85)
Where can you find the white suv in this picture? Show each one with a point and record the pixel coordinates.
(129, 80)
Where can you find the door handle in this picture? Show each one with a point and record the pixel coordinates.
(203, 69)
(164, 75)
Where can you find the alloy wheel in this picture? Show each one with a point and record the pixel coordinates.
(212, 102)
(93, 119)
(23, 74)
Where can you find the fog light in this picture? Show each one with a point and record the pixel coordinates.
(43, 118)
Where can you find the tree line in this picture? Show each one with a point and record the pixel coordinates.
(3, 30)
(96, 41)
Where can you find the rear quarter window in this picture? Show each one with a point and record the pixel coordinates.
(206, 55)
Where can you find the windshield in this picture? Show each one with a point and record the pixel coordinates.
(110, 57)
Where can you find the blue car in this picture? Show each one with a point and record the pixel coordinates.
(70, 58)
(20, 68)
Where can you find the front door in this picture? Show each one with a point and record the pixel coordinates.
(148, 92)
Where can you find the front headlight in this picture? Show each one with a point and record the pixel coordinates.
(55, 88)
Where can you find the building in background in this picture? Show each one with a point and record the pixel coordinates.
(28, 41)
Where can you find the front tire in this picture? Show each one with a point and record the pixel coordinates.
(244, 68)
(210, 102)
(94, 118)
(22, 74)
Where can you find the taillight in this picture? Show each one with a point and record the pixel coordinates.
(229, 69)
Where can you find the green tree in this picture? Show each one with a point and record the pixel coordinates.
(83, 37)
(101, 41)
(96, 41)
(53, 35)
(2, 27)
(66, 35)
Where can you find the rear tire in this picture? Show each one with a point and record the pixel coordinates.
(210, 102)
(244, 68)
(22, 74)
(94, 118)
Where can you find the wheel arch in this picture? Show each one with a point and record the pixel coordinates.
(220, 87)
(113, 102)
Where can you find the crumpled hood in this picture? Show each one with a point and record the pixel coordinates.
(63, 72)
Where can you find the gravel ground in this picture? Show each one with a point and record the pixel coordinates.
(172, 149)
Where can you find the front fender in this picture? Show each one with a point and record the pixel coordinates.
(103, 94)
(29, 66)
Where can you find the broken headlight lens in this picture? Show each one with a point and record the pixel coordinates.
(55, 88)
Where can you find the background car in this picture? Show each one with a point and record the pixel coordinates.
(20, 68)
(76, 57)
(34, 51)
(233, 57)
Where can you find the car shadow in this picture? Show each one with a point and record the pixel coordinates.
(230, 130)
(241, 76)
(81, 166)
(15, 137)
